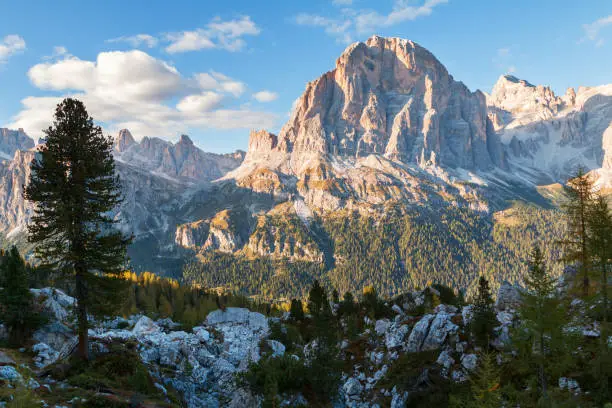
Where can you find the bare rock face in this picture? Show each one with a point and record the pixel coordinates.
(519, 97)
(14, 174)
(228, 231)
(182, 161)
(124, 141)
(192, 235)
(392, 97)
(550, 135)
(13, 140)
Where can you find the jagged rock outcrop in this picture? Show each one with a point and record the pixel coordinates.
(192, 235)
(124, 141)
(13, 140)
(228, 231)
(547, 136)
(182, 160)
(390, 96)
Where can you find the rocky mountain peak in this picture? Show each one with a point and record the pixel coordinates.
(185, 140)
(124, 141)
(13, 140)
(391, 97)
(518, 96)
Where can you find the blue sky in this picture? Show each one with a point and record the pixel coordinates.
(215, 69)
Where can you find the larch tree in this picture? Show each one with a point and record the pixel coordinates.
(600, 244)
(74, 189)
(579, 196)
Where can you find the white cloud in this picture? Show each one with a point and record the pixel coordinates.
(265, 96)
(135, 90)
(354, 22)
(11, 45)
(338, 28)
(593, 29)
(220, 83)
(59, 52)
(136, 40)
(204, 102)
(217, 34)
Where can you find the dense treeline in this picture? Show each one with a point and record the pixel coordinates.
(401, 251)
(165, 298)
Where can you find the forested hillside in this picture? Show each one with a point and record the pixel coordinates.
(405, 249)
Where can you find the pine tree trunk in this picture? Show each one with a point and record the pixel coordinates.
(81, 295)
(543, 382)
(585, 270)
(603, 336)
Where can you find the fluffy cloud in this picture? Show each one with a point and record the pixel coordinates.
(204, 102)
(265, 96)
(338, 28)
(354, 22)
(593, 29)
(217, 34)
(137, 40)
(135, 90)
(11, 45)
(221, 83)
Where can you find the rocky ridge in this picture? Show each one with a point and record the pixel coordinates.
(202, 364)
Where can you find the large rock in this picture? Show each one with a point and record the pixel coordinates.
(352, 388)
(10, 374)
(440, 328)
(56, 304)
(5, 359)
(145, 326)
(508, 297)
(55, 334)
(395, 336)
(236, 315)
(419, 334)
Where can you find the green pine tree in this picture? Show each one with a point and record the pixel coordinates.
(579, 197)
(542, 343)
(297, 311)
(483, 319)
(270, 392)
(600, 243)
(16, 299)
(485, 386)
(317, 298)
(74, 187)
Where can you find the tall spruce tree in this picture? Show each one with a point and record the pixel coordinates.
(74, 187)
(317, 299)
(542, 343)
(16, 298)
(600, 244)
(579, 197)
(483, 320)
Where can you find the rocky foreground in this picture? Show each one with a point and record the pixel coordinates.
(202, 364)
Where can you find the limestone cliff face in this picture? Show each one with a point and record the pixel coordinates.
(182, 160)
(552, 135)
(387, 107)
(14, 174)
(391, 97)
(13, 140)
(192, 235)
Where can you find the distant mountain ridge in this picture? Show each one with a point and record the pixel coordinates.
(387, 128)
